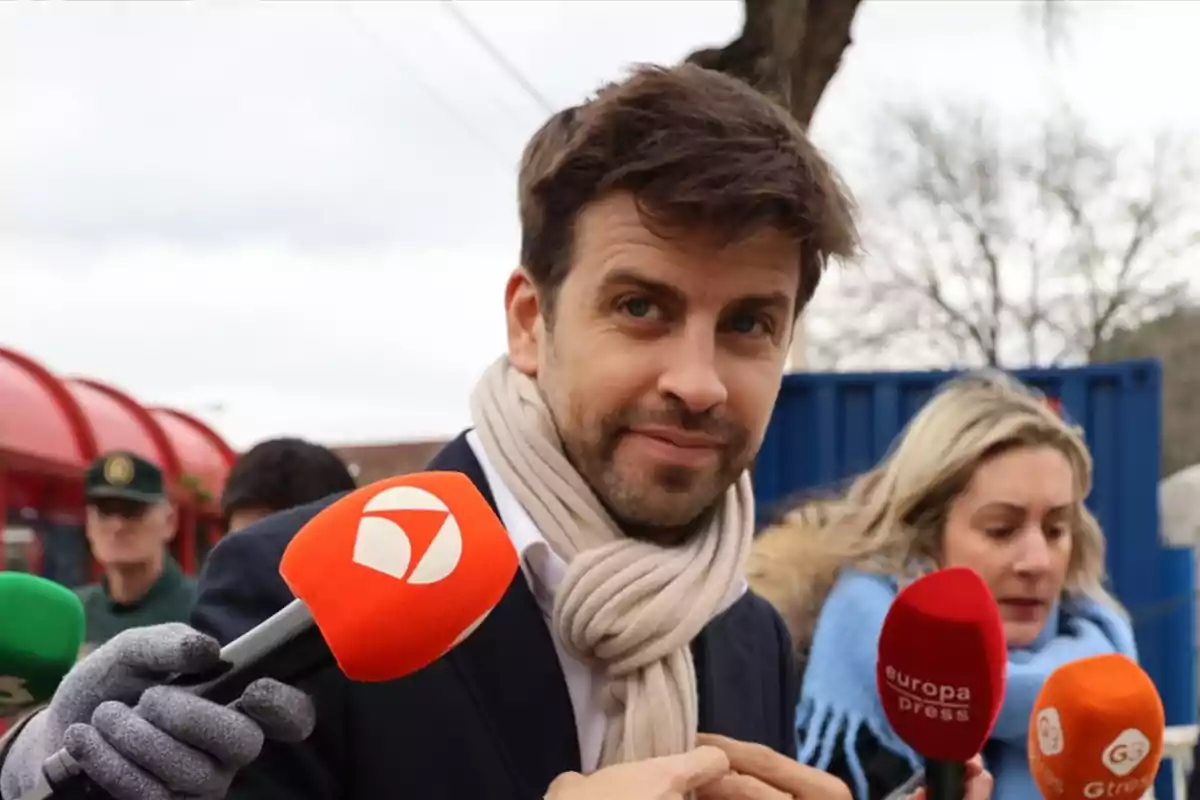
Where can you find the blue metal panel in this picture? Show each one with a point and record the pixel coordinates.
(828, 427)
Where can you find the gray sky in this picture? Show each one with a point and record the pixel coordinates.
(304, 212)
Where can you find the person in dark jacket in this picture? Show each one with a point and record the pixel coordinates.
(672, 229)
(986, 476)
(278, 474)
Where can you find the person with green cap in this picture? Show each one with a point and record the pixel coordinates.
(130, 524)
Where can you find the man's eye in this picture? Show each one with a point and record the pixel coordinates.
(638, 307)
(750, 323)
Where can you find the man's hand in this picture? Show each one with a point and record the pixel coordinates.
(759, 773)
(666, 778)
(979, 782)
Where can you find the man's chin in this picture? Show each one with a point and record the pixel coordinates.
(644, 496)
(661, 522)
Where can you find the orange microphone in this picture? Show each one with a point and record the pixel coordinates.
(1096, 731)
(387, 579)
(400, 571)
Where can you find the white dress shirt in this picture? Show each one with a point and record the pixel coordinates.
(545, 570)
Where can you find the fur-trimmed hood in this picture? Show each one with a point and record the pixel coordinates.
(790, 568)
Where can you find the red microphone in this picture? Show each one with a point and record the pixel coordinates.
(941, 669)
(387, 580)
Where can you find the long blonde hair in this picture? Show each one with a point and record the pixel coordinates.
(891, 519)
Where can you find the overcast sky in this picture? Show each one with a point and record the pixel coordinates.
(297, 217)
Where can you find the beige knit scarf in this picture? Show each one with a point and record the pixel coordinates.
(627, 607)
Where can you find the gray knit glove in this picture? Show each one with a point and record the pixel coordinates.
(171, 744)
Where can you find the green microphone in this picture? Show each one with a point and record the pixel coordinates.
(41, 630)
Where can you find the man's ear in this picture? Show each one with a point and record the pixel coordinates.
(526, 326)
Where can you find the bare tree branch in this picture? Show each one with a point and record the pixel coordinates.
(791, 49)
(1052, 19)
(1174, 339)
(990, 249)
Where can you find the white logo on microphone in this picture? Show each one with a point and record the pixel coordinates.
(384, 546)
(1049, 732)
(944, 702)
(13, 692)
(1128, 750)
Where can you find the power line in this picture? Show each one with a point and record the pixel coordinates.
(509, 68)
(414, 74)
(509, 104)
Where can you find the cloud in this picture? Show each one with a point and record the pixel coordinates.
(305, 212)
(389, 329)
(326, 126)
(236, 124)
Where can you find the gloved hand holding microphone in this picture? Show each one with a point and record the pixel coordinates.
(138, 740)
(162, 713)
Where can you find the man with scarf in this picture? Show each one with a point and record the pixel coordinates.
(673, 227)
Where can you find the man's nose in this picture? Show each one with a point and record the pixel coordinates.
(111, 523)
(690, 374)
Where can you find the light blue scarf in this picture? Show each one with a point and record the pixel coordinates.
(839, 698)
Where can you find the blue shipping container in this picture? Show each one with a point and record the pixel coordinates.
(828, 427)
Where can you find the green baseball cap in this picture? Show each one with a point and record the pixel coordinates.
(124, 475)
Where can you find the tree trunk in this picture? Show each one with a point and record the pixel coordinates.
(788, 49)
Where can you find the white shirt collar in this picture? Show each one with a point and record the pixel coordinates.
(543, 568)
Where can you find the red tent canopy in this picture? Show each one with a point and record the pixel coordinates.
(121, 423)
(203, 455)
(50, 429)
(42, 428)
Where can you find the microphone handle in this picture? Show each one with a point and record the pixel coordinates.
(906, 789)
(288, 646)
(945, 780)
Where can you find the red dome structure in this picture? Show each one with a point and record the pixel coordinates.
(119, 422)
(51, 429)
(204, 457)
(42, 429)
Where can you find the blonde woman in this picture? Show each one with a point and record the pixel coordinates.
(986, 476)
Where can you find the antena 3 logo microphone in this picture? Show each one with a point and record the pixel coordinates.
(411, 564)
(409, 518)
(942, 662)
(1096, 730)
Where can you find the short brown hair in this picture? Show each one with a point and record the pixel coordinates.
(700, 151)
